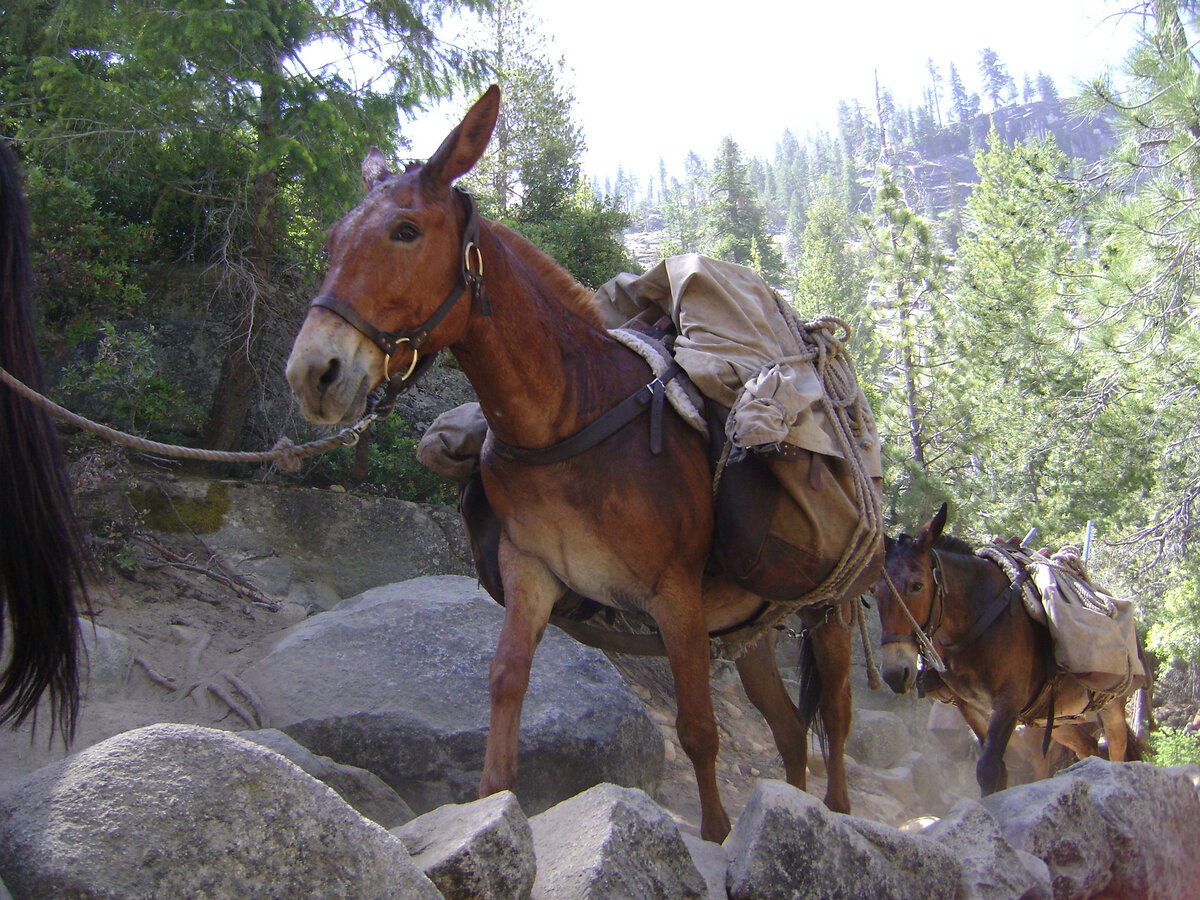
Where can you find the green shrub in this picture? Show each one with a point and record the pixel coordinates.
(84, 260)
(1175, 747)
(125, 381)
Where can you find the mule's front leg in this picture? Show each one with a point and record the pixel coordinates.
(529, 594)
(686, 640)
(990, 772)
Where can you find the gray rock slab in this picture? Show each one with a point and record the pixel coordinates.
(1103, 827)
(363, 790)
(318, 545)
(992, 868)
(786, 844)
(185, 811)
(474, 850)
(612, 843)
(395, 681)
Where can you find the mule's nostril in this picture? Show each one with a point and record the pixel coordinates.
(329, 376)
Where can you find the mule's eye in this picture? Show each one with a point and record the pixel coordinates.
(405, 233)
(915, 586)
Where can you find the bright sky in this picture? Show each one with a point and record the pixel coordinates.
(654, 79)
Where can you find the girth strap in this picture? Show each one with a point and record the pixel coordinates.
(651, 397)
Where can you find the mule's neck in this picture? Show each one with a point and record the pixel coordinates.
(540, 367)
(970, 583)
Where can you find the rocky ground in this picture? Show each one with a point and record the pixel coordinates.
(193, 621)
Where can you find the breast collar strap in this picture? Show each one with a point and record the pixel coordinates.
(470, 277)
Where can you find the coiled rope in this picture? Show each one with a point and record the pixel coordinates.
(842, 401)
(284, 454)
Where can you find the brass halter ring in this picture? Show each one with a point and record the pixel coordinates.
(472, 249)
(387, 361)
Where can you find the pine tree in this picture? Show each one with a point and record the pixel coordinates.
(736, 221)
(997, 83)
(935, 89)
(960, 101)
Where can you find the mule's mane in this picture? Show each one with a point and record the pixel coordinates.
(557, 280)
(951, 544)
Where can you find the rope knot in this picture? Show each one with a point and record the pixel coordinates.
(287, 456)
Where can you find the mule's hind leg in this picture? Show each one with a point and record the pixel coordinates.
(529, 591)
(1116, 730)
(685, 637)
(830, 646)
(764, 686)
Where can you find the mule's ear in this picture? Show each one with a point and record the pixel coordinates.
(465, 144)
(374, 168)
(939, 521)
(932, 530)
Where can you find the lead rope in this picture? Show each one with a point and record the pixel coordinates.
(874, 682)
(284, 454)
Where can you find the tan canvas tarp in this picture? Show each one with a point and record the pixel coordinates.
(1094, 633)
(1095, 636)
(739, 348)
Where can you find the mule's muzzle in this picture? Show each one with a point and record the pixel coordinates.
(330, 386)
(899, 667)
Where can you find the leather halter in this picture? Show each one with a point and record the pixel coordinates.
(470, 277)
(1006, 599)
(937, 607)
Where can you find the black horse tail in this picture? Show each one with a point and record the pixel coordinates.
(42, 560)
(807, 703)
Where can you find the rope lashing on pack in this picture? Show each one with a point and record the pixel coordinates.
(842, 403)
(285, 454)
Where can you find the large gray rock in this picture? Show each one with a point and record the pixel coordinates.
(612, 843)
(184, 811)
(363, 790)
(992, 869)
(786, 844)
(474, 850)
(877, 738)
(362, 541)
(395, 681)
(712, 861)
(1129, 830)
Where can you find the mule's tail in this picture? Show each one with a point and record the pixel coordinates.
(42, 561)
(808, 701)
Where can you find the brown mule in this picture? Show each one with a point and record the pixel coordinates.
(414, 270)
(999, 661)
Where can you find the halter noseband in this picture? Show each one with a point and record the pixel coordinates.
(470, 276)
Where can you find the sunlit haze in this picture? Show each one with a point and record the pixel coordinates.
(655, 80)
